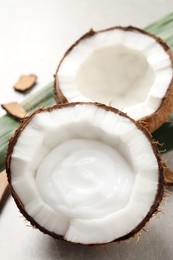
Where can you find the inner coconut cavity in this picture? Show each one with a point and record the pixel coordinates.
(125, 69)
(115, 74)
(81, 172)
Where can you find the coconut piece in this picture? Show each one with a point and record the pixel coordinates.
(85, 173)
(25, 83)
(168, 171)
(165, 144)
(168, 175)
(3, 185)
(15, 109)
(124, 67)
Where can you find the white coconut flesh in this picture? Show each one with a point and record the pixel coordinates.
(126, 69)
(84, 173)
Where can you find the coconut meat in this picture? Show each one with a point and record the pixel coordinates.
(84, 173)
(128, 70)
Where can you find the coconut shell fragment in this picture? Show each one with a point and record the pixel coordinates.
(15, 109)
(163, 137)
(3, 185)
(168, 175)
(25, 83)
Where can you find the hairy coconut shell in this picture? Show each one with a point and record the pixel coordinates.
(168, 175)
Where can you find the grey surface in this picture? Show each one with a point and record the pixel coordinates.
(33, 37)
(18, 240)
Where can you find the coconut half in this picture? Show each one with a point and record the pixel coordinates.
(124, 67)
(85, 173)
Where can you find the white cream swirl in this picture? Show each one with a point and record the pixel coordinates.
(85, 179)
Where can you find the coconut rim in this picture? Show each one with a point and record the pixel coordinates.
(146, 120)
(160, 190)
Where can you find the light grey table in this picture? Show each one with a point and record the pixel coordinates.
(33, 38)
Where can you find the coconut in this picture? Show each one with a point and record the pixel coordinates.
(85, 173)
(124, 67)
(164, 141)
